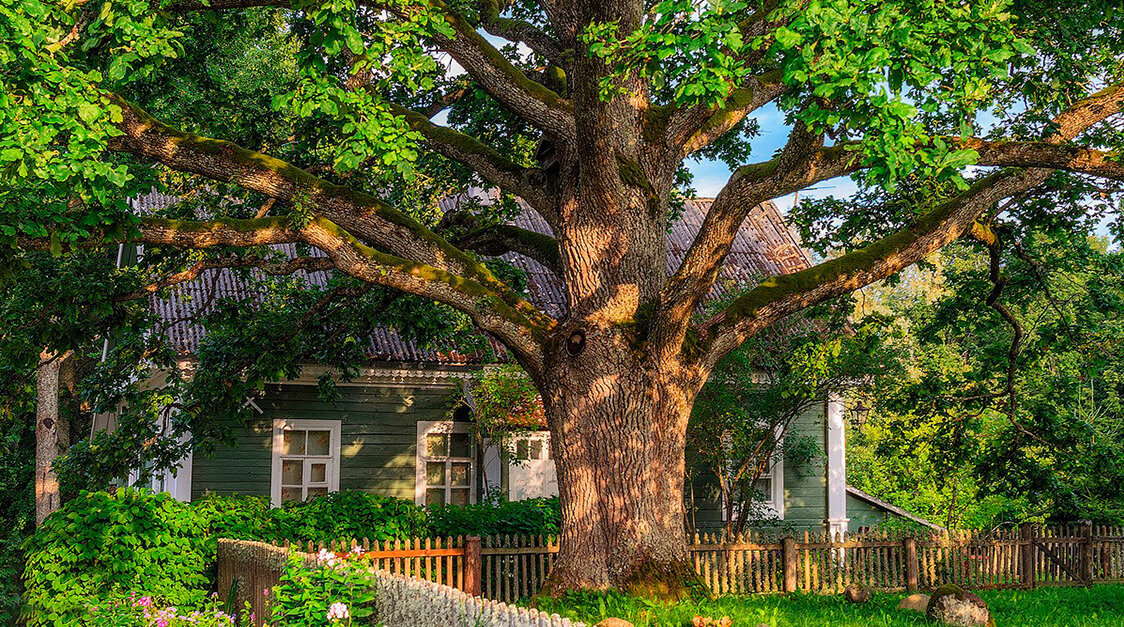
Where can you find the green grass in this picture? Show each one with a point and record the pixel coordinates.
(1100, 606)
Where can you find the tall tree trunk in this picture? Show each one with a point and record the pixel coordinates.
(48, 430)
(618, 437)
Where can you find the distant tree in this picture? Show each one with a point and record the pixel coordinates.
(586, 111)
(741, 421)
(1009, 403)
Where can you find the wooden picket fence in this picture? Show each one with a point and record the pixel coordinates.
(508, 568)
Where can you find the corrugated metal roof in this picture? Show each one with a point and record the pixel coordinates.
(764, 246)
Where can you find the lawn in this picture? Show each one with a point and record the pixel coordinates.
(1101, 606)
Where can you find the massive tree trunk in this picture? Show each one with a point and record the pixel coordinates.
(48, 436)
(618, 426)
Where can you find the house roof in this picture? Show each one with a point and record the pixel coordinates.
(893, 509)
(764, 246)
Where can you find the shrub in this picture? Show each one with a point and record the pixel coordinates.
(334, 590)
(497, 517)
(101, 545)
(143, 611)
(349, 514)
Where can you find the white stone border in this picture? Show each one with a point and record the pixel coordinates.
(412, 602)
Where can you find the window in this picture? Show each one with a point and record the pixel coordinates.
(306, 459)
(446, 464)
(533, 447)
(532, 473)
(771, 485)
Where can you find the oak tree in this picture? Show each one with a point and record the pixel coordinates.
(585, 110)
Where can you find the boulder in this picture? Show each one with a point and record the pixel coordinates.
(915, 602)
(953, 605)
(614, 622)
(858, 593)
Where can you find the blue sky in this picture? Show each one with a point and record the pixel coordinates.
(710, 176)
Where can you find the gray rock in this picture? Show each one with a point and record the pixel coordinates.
(858, 593)
(915, 602)
(953, 605)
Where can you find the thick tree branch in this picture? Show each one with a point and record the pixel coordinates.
(803, 161)
(482, 158)
(497, 240)
(489, 311)
(1048, 155)
(498, 76)
(780, 296)
(363, 215)
(879, 260)
(519, 31)
(693, 128)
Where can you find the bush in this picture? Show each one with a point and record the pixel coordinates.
(101, 545)
(335, 589)
(349, 514)
(143, 611)
(497, 517)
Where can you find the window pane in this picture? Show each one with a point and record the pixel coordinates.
(435, 473)
(292, 443)
(461, 445)
(290, 494)
(435, 496)
(292, 472)
(458, 496)
(316, 492)
(536, 449)
(460, 474)
(318, 473)
(522, 449)
(436, 445)
(319, 442)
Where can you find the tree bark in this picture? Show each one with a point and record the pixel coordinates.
(48, 433)
(618, 428)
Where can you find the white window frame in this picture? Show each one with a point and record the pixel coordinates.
(422, 457)
(280, 426)
(546, 462)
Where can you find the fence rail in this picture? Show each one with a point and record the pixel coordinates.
(508, 568)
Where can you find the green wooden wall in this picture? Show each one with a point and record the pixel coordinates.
(377, 447)
(863, 514)
(805, 487)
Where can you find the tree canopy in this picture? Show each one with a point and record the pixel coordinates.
(338, 126)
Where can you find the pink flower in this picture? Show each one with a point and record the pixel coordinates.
(337, 611)
(326, 556)
(143, 602)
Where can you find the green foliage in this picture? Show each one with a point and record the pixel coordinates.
(17, 500)
(142, 611)
(739, 426)
(946, 440)
(505, 403)
(1098, 606)
(102, 545)
(533, 517)
(310, 596)
(349, 514)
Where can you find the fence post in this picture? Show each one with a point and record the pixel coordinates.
(788, 548)
(912, 567)
(1027, 555)
(1087, 552)
(473, 566)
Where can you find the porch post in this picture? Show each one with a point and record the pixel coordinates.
(836, 442)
